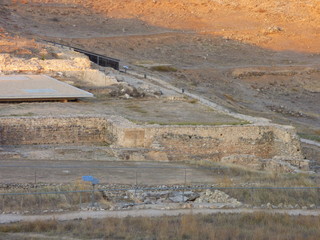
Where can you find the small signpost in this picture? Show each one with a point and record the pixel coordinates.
(94, 182)
(125, 68)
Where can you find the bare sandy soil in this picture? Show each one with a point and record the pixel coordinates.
(281, 25)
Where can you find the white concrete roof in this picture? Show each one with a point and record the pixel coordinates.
(37, 87)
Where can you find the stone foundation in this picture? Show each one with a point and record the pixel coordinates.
(155, 142)
(212, 142)
(53, 130)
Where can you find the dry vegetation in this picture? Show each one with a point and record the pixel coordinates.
(228, 180)
(163, 69)
(50, 203)
(21, 47)
(36, 203)
(220, 226)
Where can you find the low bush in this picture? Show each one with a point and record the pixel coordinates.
(163, 68)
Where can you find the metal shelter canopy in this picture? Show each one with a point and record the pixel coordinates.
(37, 88)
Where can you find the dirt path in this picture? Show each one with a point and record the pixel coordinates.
(10, 218)
(310, 142)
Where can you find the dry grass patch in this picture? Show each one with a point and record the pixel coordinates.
(219, 226)
(163, 68)
(37, 203)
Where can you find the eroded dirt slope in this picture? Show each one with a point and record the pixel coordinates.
(276, 24)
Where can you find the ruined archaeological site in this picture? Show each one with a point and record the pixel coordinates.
(157, 105)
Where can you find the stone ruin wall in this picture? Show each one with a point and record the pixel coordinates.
(53, 130)
(154, 141)
(214, 142)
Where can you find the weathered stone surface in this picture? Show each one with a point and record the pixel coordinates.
(250, 161)
(277, 163)
(90, 77)
(214, 142)
(248, 145)
(51, 130)
(13, 64)
(216, 196)
(156, 197)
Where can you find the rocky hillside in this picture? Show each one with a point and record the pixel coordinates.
(276, 24)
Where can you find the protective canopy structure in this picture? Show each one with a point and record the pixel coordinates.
(37, 88)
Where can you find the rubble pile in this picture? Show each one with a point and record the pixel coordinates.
(216, 196)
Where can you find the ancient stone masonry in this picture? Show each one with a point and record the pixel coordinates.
(53, 130)
(215, 142)
(242, 144)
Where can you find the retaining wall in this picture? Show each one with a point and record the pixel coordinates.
(177, 142)
(215, 142)
(53, 130)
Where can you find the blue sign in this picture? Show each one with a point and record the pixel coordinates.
(90, 179)
(87, 178)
